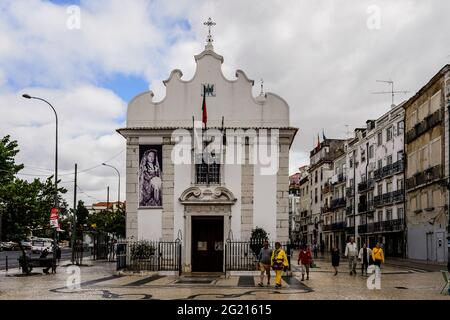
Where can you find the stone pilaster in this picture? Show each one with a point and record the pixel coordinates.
(132, 187)
(247, 178)
(283, 192)
(167, 191)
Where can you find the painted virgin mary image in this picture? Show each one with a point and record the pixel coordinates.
(150, 180)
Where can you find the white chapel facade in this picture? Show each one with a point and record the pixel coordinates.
(204, 204)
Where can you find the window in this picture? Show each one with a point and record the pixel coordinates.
(315, 177)
(400, 213)
(435, 103)
(207, 173)
(380, 216)
(315, 195)
(321, 174)
(380, 164)
(371, 152)
(435, 149)
(352, 182)
(388, 214)
(389, 186)
(400, 127)
(380, 138)
(389, 160)
(380, 189)
(400, 155)
(389, 134)
(351, 163)
(399, 184)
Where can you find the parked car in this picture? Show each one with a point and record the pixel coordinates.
(40, 245)
(9, 246)
(26, 244)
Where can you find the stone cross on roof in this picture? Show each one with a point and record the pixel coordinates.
(210, 24)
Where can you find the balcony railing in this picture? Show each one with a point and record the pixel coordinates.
(338, 226)
(389, 198)
(382, 226)
(326, 188)
(364, 207)
(426, 124)
(325, 209)
(424, 177)
(350, 230)
(366, 185)
(389, 170)
(336, 203)
(398, 195)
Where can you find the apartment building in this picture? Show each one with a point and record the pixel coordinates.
(427, 172)
(375, 187)
(320, 172)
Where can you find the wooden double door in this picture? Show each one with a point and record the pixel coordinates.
(207, 244)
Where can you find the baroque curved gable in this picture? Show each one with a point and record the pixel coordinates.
(206, 195)
(233, 100)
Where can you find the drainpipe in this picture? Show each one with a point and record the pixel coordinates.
(354, 196)
(367, 184)
(405, 225)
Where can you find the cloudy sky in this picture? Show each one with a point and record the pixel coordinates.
(323, 57)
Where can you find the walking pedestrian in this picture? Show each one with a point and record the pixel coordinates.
(378, 255)
(315, 249)
(305, 261)
(322, 248)
(351, 252)
(279, 262)
(364, 256)
(58, 253)
(335, 258)
(264, 263)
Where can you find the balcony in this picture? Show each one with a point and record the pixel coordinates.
(389, 170)
(350, 192)
(426, 124)
(338, 226)
(366, 185)
(424, 177)
(337, 203)
(398, 195)
(327, 227)
(383, 226)
(350, 230)
(339, 179)
(364, 207)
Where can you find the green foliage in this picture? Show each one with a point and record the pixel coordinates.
(142, 250)
(107, 221)
(257, 238)
(25, 206)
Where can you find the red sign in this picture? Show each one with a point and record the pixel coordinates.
(54, 214)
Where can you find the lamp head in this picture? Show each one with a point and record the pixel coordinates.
(26, 96)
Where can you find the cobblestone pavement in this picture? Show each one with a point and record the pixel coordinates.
(101, 281)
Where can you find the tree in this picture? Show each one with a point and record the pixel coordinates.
(25, 205)
(107, 221)
(257, 238)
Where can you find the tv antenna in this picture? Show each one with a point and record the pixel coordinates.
(392, 92)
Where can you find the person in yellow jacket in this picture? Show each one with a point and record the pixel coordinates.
(279, 262)
(378, 255)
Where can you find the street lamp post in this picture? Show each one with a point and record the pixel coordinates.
(26, 96)
(118, 173)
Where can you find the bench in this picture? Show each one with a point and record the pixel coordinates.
(46, 263)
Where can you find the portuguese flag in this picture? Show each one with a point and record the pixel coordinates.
(204, 113)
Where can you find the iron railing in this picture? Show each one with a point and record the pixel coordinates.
(243, 255)
(336, 203)
(424, 177)
(426, 124)
(149, 255)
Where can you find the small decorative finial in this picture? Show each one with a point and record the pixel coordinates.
(210, 24)
(262, 86)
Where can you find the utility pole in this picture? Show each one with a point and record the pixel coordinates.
(107, 200)
(74, 218)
